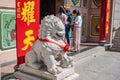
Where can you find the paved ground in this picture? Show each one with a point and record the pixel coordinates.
(99, 66)
(7, 61)
(92, 64)
(8, 58)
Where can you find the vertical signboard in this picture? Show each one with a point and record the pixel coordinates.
(27, 25)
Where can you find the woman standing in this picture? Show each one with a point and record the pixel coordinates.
(77, 29)
(62, 15)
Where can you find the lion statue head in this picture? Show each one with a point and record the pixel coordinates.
(51, 26)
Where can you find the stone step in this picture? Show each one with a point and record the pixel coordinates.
(44, 74)
(88, 53)
(115, 49)
(24, 76)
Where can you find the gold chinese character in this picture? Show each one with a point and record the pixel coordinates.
(18, 15)
(18, 4)
(28, 40)
(18, 10)
(28, 12)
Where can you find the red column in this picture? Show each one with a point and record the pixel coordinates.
(102, 20)
(105, 19)
(108, 21)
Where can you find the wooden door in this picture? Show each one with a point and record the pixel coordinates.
(47, 7)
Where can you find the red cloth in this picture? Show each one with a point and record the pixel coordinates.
(65, 48)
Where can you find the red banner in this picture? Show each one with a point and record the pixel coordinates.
(27, 25)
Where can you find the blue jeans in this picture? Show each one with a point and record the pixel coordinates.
(67, 34)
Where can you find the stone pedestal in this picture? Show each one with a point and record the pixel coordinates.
(27, 73)
(116, 41)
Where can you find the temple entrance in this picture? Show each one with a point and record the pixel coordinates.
(93, 14)
(92, 20)
(94, 27)
(47, 7)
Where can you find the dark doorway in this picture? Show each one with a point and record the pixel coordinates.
(47, 7)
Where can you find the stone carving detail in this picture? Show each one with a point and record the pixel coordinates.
(49, 45)
(116, 41)
(48, 56)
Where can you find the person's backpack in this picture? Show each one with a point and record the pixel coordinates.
(69, 14)
(69, 19)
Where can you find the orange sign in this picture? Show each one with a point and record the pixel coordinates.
(27, 25)
(68, 6)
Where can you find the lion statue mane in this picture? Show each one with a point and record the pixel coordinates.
(49, 46)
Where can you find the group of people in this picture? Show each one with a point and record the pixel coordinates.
(71, 20)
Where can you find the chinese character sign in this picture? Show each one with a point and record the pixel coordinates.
(27, 25)
(28, 12)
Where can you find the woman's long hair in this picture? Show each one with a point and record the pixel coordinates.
(75, 11)
(62, 10)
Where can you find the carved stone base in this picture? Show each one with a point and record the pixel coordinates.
(27, 73)
(24, 76)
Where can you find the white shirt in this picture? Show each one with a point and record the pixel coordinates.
(78, 21)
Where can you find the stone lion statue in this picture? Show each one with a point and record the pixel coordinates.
(49, 46)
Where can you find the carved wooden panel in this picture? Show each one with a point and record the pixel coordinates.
(7, 30)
